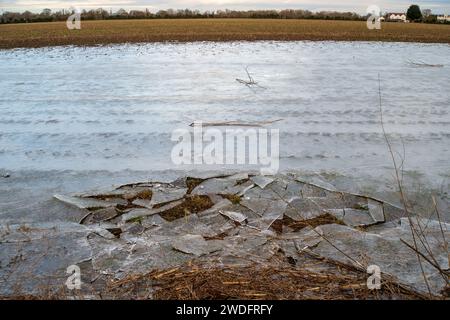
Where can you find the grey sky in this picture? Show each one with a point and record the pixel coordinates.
(438, 6)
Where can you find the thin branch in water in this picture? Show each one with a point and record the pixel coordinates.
(396, 171)
(442, 230)
(250, 82)
(424, 65)
(237, 123)
(426, 259)
(400, 186)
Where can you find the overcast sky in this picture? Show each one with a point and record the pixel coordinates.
(438, 6)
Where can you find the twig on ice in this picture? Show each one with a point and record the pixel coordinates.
(423, 64)
(237, 123)
(250, 82)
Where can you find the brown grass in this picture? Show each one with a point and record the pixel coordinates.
(145, 194)
(120, 31)
(253, 282)
(191, 204)
(234, 198)
(192, 183)
(299, 225)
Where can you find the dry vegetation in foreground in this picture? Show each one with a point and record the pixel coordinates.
(120, 31)
(252, 282)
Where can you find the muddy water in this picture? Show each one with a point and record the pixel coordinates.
(113, 108)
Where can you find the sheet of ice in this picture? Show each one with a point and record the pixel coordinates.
(114, 107)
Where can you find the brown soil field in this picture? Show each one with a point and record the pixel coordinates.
(185, 30)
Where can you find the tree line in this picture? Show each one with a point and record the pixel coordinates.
(100, 14)
(414, 14)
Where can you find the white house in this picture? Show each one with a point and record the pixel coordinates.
(401, 17)
(444, 18)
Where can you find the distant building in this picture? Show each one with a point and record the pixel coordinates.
(397, 17)
(444, 18)
(426, 12)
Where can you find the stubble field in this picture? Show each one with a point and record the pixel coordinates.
(185, 30)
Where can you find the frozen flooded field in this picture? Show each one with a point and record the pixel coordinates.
(106, 112)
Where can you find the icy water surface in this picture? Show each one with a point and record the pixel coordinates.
(114, 108)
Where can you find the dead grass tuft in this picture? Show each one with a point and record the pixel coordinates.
(299, 225)
(145, 194)
(191, 204)
(192, 183)
(235, 199)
